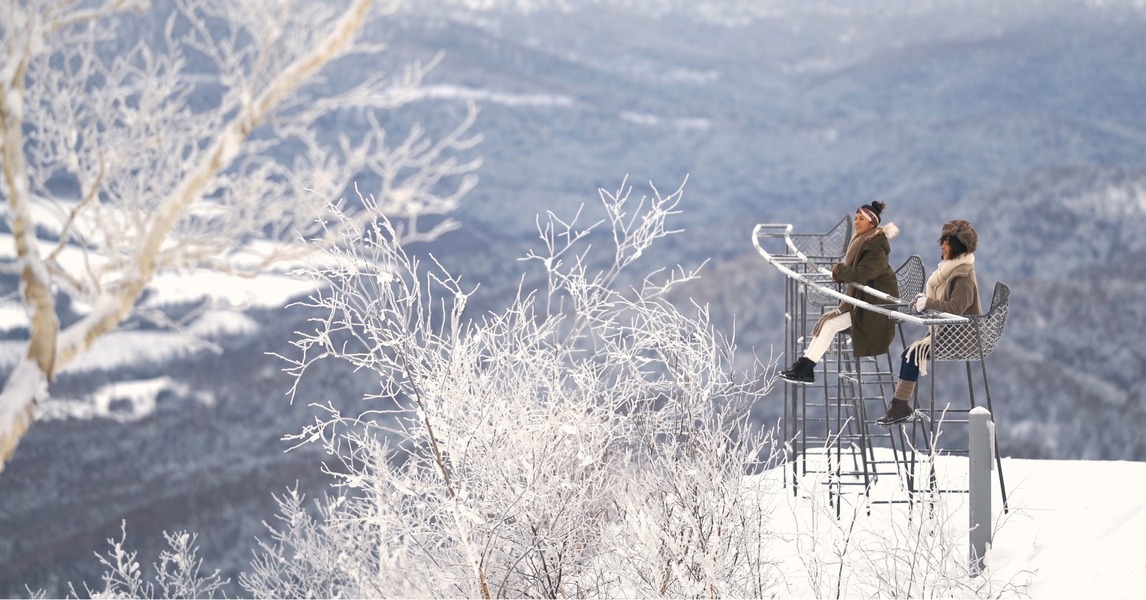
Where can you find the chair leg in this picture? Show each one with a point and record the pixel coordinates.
(998, 459)
(990, 409)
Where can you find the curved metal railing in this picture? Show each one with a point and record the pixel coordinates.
(819, 279)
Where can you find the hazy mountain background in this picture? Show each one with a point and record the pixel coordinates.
(1026, 118)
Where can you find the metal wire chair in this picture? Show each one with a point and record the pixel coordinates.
(977, 339)
(827, 247)
(824, 249)
(973, 342)
(911, 277)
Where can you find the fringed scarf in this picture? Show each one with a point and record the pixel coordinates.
(920, 351)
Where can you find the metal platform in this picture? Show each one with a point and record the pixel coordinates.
(830, 425)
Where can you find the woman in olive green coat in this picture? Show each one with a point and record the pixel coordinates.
(866, 263)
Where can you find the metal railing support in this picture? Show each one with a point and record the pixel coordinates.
(981, 436)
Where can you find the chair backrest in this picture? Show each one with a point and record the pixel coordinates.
(825, 248)
(911, 277)
(961, 342)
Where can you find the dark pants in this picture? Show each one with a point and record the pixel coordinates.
(908, 370)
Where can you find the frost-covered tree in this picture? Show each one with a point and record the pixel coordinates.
(178, 573)
(592, 439)
(196, 140)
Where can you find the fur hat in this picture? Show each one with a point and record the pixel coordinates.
(962, 231)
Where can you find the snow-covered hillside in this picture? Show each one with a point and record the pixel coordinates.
(1024, 117)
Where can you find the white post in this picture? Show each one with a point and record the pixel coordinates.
(979, 444)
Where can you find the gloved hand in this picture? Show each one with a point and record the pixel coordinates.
(919, 303)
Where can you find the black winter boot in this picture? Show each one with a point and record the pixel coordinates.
(803, 371)
(899, 412)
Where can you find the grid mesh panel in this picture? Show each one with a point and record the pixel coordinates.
(911, 277)
(817, 298)
(959, 342)
(824, 249)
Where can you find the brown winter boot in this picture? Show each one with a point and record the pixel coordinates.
(899, 412)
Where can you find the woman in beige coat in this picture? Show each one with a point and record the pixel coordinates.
(953, 289)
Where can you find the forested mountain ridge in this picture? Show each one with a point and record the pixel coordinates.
(1026, 119)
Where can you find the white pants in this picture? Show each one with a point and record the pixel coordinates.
(820, 344)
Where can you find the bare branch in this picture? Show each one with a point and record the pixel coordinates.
(532, 444)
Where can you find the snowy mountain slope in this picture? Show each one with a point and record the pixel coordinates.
(920, 121)
(1026, 118)
(1073, 356)
(192, 442)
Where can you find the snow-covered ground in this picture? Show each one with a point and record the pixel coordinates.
(1077, 528)
(1074, 529)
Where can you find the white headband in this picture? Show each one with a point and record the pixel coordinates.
(869, 215)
